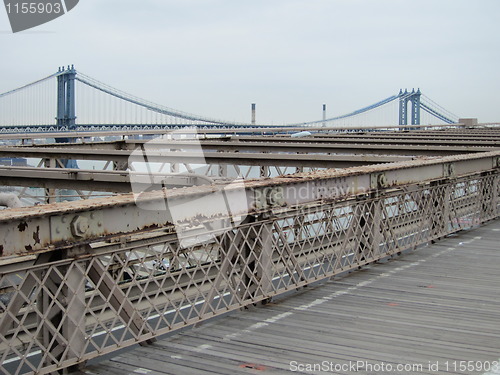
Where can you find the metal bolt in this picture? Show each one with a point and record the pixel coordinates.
(79, 226)
(382, 180)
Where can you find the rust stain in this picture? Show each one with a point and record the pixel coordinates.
(253, 366)
(22, 226)
(152, 227)
(36, 235)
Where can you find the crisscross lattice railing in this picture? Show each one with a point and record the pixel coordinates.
(62, 307)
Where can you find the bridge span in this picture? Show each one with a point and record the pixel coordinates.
(122, 240)
(69, 100)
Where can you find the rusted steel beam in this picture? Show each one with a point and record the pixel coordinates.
(227, 158)
(91, 180)
(64, 225)
(290, 146)
(369, 138)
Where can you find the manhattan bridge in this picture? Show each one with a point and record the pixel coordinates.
(81, 103)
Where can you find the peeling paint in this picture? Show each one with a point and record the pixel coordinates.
(36, 235)
(22, 226)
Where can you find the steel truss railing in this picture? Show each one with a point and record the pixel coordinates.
(70, 302)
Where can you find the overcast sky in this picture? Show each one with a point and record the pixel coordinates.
(216, 57)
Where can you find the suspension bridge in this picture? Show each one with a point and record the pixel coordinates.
(69, 100)
(318, 247)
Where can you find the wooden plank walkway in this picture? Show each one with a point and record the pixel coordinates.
(428, 312)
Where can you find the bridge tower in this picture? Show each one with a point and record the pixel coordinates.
(404, 98)
(66, 111)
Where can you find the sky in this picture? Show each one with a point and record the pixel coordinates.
(216, 57)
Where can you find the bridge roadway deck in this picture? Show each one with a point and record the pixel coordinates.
(438, 305)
